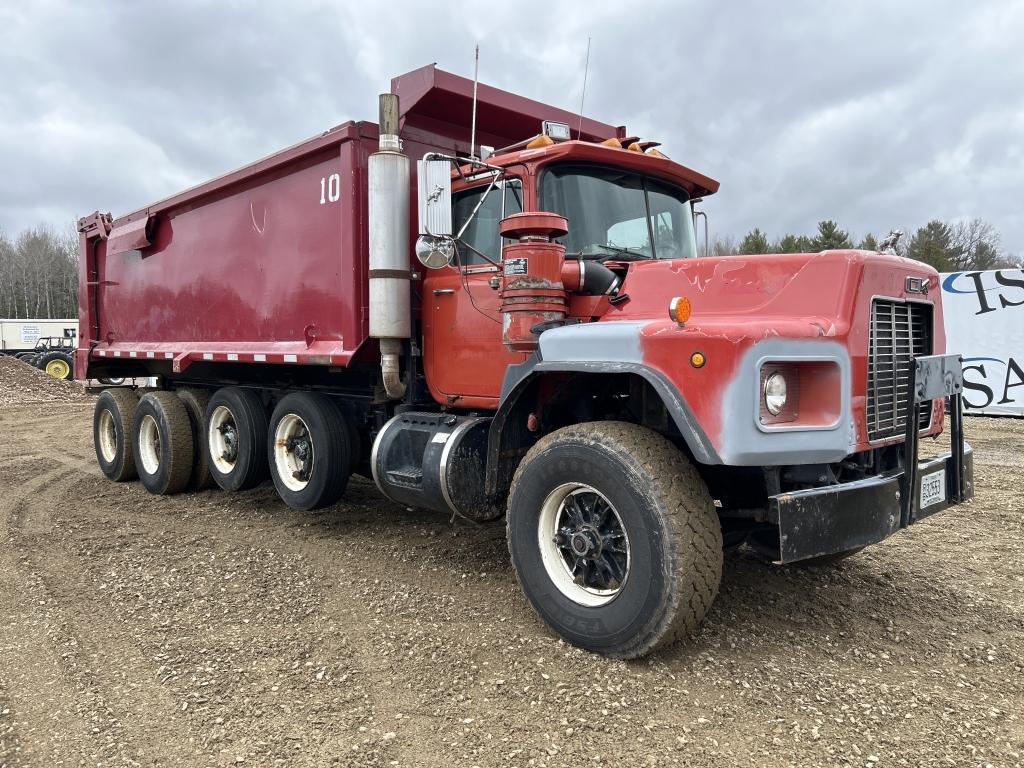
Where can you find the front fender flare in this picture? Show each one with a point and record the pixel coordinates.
(518, 379)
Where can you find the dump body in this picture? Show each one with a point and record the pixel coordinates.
(258, 265)
(268, 264)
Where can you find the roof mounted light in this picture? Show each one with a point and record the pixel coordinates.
(555, 130)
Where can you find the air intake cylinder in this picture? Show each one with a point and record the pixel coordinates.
(532, 294)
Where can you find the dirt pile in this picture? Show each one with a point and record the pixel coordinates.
(21, 384)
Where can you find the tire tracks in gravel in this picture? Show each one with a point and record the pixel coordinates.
(354, 587)
(28, 665)
(111, 709)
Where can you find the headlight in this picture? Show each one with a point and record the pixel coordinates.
(775, 393)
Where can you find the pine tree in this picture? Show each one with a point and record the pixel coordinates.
(830, 237)
(794, 244)
(868, 243)
(933, 244)
(754, 242)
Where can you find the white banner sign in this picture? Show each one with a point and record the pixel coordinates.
(984, 318)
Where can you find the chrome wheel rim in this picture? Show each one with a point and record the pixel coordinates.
(149, 445)
(583, 544)
(107, 436)
(293, 452)
(222, 439)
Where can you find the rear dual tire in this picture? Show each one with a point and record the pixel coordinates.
(195, 401)
(309, 450)
(111, 431)
(235, 434)
(163, 445)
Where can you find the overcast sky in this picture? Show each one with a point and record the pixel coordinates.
(879, 115)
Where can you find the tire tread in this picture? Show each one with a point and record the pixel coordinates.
(125, 403)
(695, 552)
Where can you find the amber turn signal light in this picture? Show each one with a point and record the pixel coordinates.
(697, 359)
(679, 309)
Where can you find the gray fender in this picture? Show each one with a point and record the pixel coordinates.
(519, 377)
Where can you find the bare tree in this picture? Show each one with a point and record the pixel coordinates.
(976, 245)
(39, 274)
(724, 246)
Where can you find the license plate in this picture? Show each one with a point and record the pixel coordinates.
(933, 489)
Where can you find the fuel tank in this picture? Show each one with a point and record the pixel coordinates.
(435, 461)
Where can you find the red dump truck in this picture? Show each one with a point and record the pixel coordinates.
(519, 324)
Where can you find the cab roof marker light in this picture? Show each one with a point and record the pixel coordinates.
(555, 130)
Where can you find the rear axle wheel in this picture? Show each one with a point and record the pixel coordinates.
(309, 451)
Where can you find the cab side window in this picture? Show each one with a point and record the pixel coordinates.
(482, 233)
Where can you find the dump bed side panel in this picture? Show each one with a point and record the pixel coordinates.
(268, 267)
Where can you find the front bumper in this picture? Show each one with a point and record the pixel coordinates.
(837, 518)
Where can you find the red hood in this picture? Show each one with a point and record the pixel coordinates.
(808, 286)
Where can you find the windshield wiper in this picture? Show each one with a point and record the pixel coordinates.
(593, 253)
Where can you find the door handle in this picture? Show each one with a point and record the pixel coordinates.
(443, 291)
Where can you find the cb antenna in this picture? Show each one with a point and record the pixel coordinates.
(586, 66)
(476, 77)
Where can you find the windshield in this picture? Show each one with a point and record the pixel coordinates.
(619, 214)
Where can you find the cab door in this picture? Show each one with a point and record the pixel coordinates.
(464, 357)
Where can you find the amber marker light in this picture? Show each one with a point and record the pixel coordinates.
(679, 309)
(540, 141)
(697, 359)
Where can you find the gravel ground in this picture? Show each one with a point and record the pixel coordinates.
(215, 629)
(21, 384)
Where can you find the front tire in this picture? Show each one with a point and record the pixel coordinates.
(614, 538)
(162, 442)
(236, 438)
(309, 451)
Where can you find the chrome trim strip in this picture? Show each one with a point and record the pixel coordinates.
(373, 456)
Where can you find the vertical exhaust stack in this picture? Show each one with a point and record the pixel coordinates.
(389, 273)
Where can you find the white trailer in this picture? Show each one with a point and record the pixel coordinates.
(21, 335)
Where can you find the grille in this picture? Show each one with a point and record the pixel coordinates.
(899, 332)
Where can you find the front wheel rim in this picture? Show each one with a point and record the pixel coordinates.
(293, 452)
(149, 445)
(583, 544)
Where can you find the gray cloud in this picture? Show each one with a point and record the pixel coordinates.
(878, 114)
